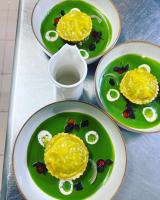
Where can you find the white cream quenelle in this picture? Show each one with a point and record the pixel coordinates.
(149, 114)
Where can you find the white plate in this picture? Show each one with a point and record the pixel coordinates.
(24, 181)
(133, 47)
(42, 8)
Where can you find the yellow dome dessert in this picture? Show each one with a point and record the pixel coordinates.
(66, 156)
(75, 26)
(139, 86)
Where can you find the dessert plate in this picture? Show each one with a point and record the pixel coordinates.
(105, 151)
(127, 85)
(98, 25)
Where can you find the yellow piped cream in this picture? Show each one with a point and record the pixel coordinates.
(66, 156)
(139, 86)
(75, 26)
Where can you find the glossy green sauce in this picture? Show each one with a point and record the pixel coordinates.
(104, 27)
(103, 149)
(115, 109)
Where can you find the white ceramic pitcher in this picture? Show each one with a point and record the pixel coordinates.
(68, 71)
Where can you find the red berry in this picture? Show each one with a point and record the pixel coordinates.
(56, 20)
(101, 163)
(40, 169)
(94, 33)
(120, 71)
(71, 121)
(125, 114)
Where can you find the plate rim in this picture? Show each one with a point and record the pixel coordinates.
(75, 101)
(98, 97)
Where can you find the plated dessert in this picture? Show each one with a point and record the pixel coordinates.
(64, 153)
(93, 27)
(67, 154)
(76, 22)
(129, 91)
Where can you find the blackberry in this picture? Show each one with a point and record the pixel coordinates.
(77, 127)
(99, 34)
(62, 12)
(126, 68)
(68, 128)
(84, 123)
(128, 107)
(109, 162)
(132, 115)
(130, 111)
(116, 69)
(96, 36)
(111, 82)
(78, 186)
(100, 169)
(121, 70)
(92, 47)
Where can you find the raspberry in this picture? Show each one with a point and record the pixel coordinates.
(96, 36)
(40, 167)
(120, 71)
(56, 20)
(101, 165)
(71, 121)
(94, 33)
(125, 114)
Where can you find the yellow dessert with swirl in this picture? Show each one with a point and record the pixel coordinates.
(66, 156)
(139, 86)
(75, 26)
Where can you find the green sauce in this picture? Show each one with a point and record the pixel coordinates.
(104, 27)
(115, 109)
(91, 138)
(66, 186)
(103, 149)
